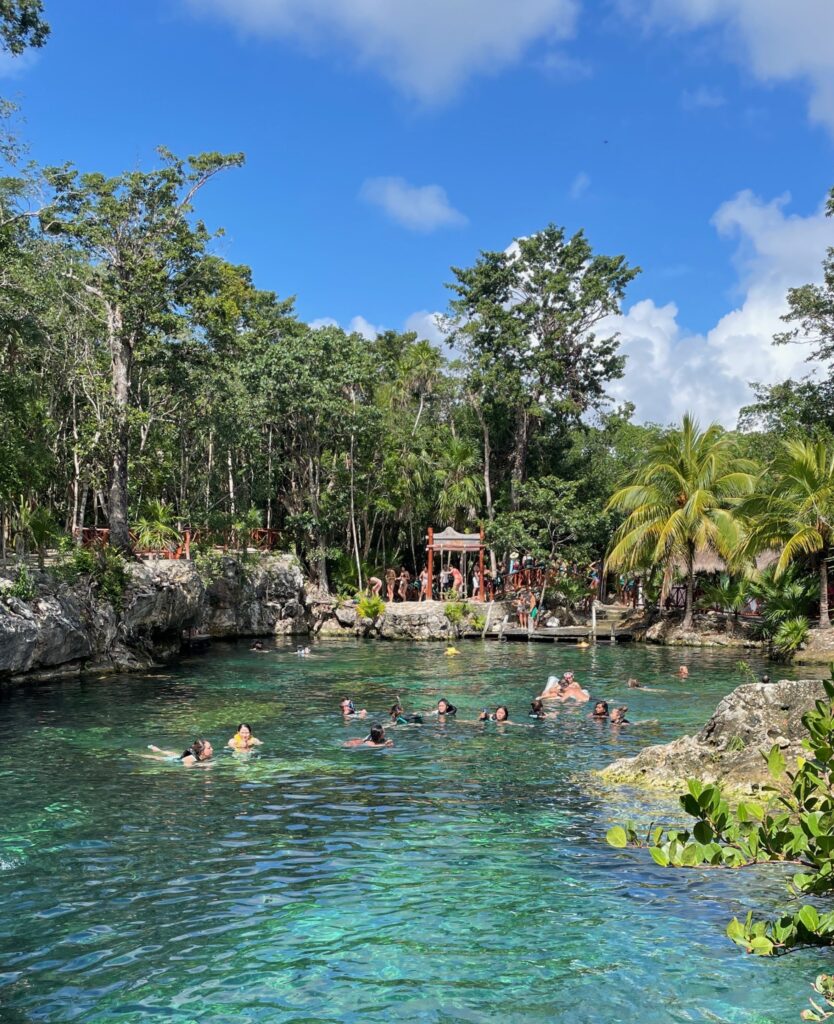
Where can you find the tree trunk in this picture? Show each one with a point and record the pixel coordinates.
(521, 443)
(690, 588)
(493, 561)
(121, 355)
(825, 621)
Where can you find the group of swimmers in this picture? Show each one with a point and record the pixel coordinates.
(561, 689)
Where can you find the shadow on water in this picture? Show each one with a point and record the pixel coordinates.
(461, 875)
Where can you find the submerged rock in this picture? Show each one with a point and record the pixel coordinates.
(728, 750)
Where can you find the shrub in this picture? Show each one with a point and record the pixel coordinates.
(370, 606)
(23, 586)
(454, 612)
(478, 623)
(790, 636)
(104, 567)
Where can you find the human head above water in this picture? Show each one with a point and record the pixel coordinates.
(445, 708)
(244, 730)
(201, 749)
(377, 733)
(502, 713)
(618, 714)
(601, 709)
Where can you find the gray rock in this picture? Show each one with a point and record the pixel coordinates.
(415, 621)
(746, 724)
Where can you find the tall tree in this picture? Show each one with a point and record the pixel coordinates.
(140, 252)
(796, 513)
(524, 320)
(680, 501)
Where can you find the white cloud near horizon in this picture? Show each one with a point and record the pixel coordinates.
(428, 49)
(773, 40)
(422, 208)
(670, 371)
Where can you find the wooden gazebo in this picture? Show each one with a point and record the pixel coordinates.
(451, 540)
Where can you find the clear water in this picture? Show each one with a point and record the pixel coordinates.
(460, 876)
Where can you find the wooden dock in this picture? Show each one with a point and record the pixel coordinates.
(557, 634)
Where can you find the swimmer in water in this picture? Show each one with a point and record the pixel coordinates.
(303, 652)
(349, 709)
(683, 672)
(375, 738)
(258, 648)
(500, 714)
(199, 753)
(399, 717)
(444, 708)
(632, 684)
(618, 716)
(243, 739)
(537, 710)
(600, 710)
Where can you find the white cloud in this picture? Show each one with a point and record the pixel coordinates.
(670, 371)
(774, 40)
(417, 207)
(427, 49)
(359, 325)
(580, 185)
(426, 325)
(702, 98)
(563, 65)
(323, 321)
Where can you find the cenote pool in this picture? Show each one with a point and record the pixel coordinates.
(461, 876)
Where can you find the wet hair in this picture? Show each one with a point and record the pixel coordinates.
(245, 725)
(633, 684)
(396, 709)
(195, 750)
(377, 734)
(450, 708)
(257, 646)
(537, 706)
(505, 709)
(603, 704)
(620, 711)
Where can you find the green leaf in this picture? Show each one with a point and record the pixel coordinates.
(761, 946)
(617, 837)
(735, 931)
(703, 832)
(659, 856)
(776, 762)
(809, 918)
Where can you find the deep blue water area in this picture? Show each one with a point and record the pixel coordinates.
(461, 875)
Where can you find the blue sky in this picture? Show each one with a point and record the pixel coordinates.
(387, 141)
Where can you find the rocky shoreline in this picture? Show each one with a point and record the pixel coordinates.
(67, 629)
(728, 750)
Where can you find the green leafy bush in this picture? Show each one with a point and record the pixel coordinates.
(455, 612)
(797, 828)
(23, 586)
(370, 606)
(790, 636)
(104, 567)
(478, 623)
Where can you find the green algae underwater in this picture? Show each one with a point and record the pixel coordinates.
(461, 875)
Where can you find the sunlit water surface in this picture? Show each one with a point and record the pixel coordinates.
(460, 876)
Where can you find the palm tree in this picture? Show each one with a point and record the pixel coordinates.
(797, 513)
(680, 502)
(155, 530)
(461, 482)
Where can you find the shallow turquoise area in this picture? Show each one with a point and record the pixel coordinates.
(460, 876)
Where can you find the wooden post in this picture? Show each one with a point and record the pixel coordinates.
(430, 565)
(481, 567)
(188, 544)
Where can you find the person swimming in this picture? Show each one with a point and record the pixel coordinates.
(683, 672)
(375, 738)
(537, 710)
(444, 708)
(349, 709)
(399, 717)
(501, 714)
(600, 710)
(243, 738)
(618, 716)
(303, 652)
(199, 752)
(258, 647)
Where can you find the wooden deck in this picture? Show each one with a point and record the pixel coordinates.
(560, 634)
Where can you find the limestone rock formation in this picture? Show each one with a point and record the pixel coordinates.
(745, 725)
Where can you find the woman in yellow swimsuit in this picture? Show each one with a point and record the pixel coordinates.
(243, 738)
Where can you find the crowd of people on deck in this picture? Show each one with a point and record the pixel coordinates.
(519, 576)
(557, 690)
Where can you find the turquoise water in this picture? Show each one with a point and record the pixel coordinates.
(460, 876)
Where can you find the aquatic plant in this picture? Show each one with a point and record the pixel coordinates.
(796, 828)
